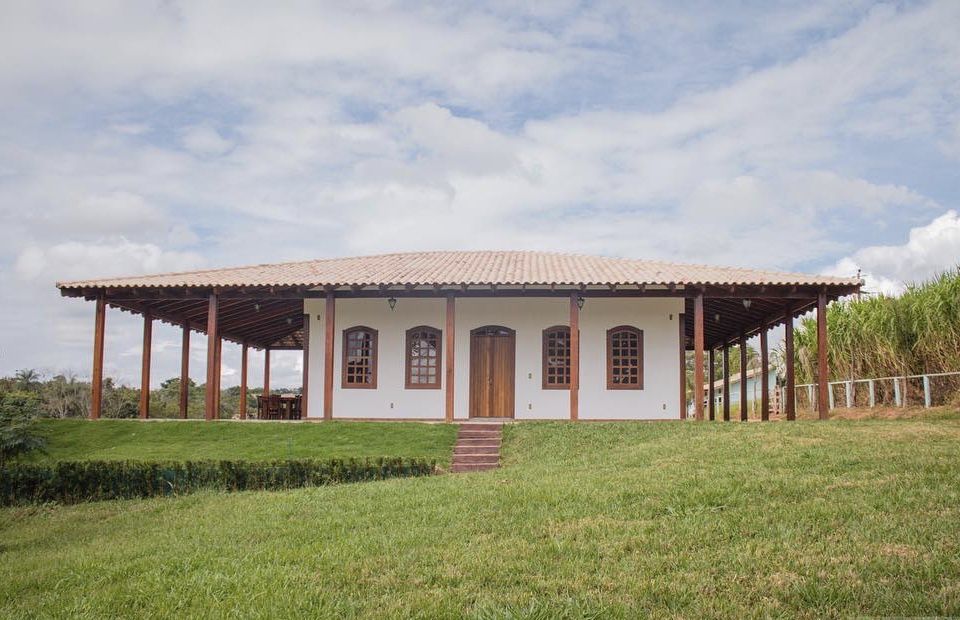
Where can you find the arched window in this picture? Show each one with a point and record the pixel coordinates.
(359, 358)
(423, 352)
(624, 358)
(556, 358)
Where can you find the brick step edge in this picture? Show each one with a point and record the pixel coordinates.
(459, 469)
(492, 459)
(475, 450)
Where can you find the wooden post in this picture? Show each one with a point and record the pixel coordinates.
(790, 400)
(305, 389)
(328, 335)
(185, 370)
(744, 412)
(244, 354)
(450, 358)
(145, 366)
(823, 398)
(574, 356)
(96, 377)
(217, 393)
(712, 395)
(681, 319)
(210, 404)
(698, 356)
(266, 372)
(726, 382)
(765, 371)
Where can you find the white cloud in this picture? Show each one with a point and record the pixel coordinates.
(73, 260)
(204, 140)
(929, 250)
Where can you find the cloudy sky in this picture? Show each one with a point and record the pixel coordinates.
(154, 136)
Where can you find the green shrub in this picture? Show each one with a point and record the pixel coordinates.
(78, 481)
(18, 434)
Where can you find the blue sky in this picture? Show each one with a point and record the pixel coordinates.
(140, 137)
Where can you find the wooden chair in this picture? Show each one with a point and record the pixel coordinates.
(261, 413)
(273, 407)
(296, 407)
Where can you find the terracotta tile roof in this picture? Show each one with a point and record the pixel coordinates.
(470, 267)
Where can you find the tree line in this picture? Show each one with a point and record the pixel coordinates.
(66, 396)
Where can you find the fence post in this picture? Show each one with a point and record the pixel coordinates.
(849, 390)
(926, 391)
(810, 397)
(873, 393)
(897, 400)
(830, 394)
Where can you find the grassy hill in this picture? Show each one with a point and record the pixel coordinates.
(192, 440)
(584, 520)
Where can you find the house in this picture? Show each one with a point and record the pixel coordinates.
(458, 335)
(755, 389)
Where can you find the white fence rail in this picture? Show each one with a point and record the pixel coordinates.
(900, 389)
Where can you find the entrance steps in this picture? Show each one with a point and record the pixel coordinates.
(477, 447)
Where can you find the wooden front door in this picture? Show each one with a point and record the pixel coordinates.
(492, 351)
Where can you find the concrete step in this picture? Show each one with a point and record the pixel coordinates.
(476, 458)
(468, 467)
(473, 441)
(479, 435)
(479, 426)
(474, 450)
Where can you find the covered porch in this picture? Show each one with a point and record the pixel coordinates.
(264, 308)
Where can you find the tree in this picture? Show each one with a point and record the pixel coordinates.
(18, 433)
(27, 379)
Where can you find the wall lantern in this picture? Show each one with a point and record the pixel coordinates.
(580, 301)
(392, 302)
(289, 321)
(716, 318)
(256, 307)
(746, 303)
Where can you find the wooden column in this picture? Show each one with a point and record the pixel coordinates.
(185, 369)
(681, 318)
(726, 382)
(305, 385)
(744, 412)
(145, 366)
(244, 354)
(574, 356)
(823, 375)
(711, 393)
(218, 376)
(266, 372)
(210, 400)
(698, 356)
(790, 402)
(96, 376)
(449, 360)
(765, 372)
(328, 335)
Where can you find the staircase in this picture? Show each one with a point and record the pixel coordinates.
(477, 447)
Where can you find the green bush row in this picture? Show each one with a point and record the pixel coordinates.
(79, 481)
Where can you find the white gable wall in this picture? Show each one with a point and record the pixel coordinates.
(528, 317)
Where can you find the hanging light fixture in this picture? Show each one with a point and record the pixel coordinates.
(746, 303)
(289, 321)
(392, 302)
(716, 318)
(580, 301)
(256, 307)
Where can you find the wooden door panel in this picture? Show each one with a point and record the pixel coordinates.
(492, 370)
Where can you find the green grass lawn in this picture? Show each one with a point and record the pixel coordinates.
(677, 519)
(193, 440)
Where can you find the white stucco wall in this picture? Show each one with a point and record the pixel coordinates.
(528, 317)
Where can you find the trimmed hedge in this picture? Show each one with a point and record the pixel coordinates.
(78, 481)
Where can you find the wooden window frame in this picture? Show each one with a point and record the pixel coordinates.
(543, 359)
(374, 359)
(408, 364)
(624, 386)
